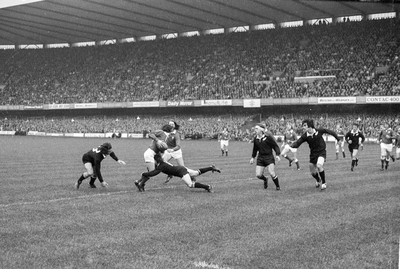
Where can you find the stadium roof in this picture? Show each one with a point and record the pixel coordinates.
(73, 21)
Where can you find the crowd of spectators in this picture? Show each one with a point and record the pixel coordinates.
(361, 56)
(200, 126)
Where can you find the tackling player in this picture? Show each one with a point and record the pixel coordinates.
(183, 172)
(91, 160)
(263, 146)
(314, 138)
(355, 139)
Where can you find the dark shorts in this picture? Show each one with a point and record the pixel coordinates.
(87, 159)
(180, 171)
(351, 147)
(265, 160)
(314, 157)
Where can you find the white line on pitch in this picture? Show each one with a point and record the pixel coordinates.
(101, 194)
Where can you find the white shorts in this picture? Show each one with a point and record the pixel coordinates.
(224, 143)
(287, 148)
(386, 148)
(174, 154)
(149, 156)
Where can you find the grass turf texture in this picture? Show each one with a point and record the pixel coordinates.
(46, 223)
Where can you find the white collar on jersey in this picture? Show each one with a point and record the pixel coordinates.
(314, 133)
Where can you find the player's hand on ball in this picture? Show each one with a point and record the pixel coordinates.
(161, 145)
(251, 160)
(121, 162)
(350, 141)
(278, 158)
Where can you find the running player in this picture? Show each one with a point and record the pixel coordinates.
(288, 138)
(355, 139)
(263, 146)
(223, 139)
(91, 160)
(314, 138)
(174, 150)
(385, 140)
(153, 149)
(397, 144)
(339, 144)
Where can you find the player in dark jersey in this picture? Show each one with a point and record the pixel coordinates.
(339, 144)
(263, 146)
(92, 160)
(355, 139)
(183, 172)
(314, 138)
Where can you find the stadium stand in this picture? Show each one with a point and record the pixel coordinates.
(362, 57)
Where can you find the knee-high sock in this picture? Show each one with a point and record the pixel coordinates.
(322, 175)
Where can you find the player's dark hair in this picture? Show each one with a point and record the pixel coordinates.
(167, 128)
(105, 148)
(355, 124)
(177, 126)
(309, 122)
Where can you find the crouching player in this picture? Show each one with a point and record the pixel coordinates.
(92, 160)
(184, 173)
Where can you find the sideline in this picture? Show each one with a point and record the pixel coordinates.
(102, 194)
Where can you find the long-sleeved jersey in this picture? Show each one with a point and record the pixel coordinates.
(264, 146)
(224, 135)
(289, 137)
(386, 136)
(354, 137)
(315, 141)
(340, 133)
(159, 134)
(173, 140)
(166, 168)
(95, 156)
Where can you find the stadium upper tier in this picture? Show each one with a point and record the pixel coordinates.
(345, 59)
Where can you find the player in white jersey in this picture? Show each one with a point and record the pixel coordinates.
(223, 139)
(288, 138)
(339, 144)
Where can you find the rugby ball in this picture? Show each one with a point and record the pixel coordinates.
(161, 145)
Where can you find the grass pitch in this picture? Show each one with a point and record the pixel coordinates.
(46, 223)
